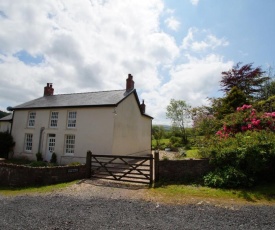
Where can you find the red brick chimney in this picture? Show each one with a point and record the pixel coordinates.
(142, 107)
(130, 84)
(48, 90)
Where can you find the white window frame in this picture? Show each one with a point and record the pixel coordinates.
(71, 121)
(28, 142)
(69, 144)
(54, 119)
(31, 119)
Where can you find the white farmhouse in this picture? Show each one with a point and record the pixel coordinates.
(106, 122)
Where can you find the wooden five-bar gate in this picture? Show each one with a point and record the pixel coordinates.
(136, 169)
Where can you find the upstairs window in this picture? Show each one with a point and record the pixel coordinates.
(31, 120)
(71, 120)
(54, 119)
(28, 142)
(70, 144)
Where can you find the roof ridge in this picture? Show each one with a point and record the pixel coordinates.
(103, 91)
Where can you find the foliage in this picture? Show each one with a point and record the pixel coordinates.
(228, 104)
(247, 118)
(268, 87)
(39, 156)
(227, 177)
(54, 158)
(178, 112)
(3, 114)
(163, 143)
(245, 158)
(266, 105)
(38, 164)
(19, 160)
(246, 78)
(74, 163)
(6, 144)
(234, 99)
(204, 123)
(175, 141)
(158, 133)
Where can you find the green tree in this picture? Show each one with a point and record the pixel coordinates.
(204, 123)
(158, 133)
(178, 111)
(3, 114)
(268, 87)
(228, 104)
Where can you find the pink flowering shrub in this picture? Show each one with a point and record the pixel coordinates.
(242, 152)
(246, 118)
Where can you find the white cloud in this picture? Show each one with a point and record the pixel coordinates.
(172, 23)
(93, 45)
(201, 40)
(192, 81)
(87, 45)
(194, 2)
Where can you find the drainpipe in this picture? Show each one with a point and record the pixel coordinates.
(40, 137)
(10, 109)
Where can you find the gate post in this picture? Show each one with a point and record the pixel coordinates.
(156, 165)
(88, 164)
(151, 169)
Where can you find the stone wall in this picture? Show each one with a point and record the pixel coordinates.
(183, 170)
(20, 176)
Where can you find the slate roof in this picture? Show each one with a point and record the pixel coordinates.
(90, 99)
(6, 118)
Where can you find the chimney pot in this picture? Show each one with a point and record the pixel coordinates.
(142, 107)
(48, 90)
(130, 84)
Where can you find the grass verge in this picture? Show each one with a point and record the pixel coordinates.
(8, 191)
(175, 193)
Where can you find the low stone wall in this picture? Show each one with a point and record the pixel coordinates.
(184, 170)
(20, 176)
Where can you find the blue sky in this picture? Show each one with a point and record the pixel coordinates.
(246, 24)
(174, 49)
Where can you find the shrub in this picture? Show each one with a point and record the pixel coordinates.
(53, 158)
(74, 164)
(39, 156)
(250, 154)
(247, 119)
(227, 177)
(38, 164)
(6, 144)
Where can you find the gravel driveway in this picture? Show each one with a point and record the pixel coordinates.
(97, 205)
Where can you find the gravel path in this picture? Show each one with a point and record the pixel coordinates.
(96, 205)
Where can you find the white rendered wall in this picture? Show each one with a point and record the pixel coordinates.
(132, 132)
(5, 126)
(93, 131)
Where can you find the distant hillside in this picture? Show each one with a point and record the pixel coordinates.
(165, 127)
(3, 114)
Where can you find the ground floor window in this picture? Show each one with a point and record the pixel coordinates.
(28, 142)
(69, 144)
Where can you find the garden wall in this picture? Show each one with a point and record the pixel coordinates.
(183, 170)
(20, 176)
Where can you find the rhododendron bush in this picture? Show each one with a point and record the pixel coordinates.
(243, 151)
(246, 118)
